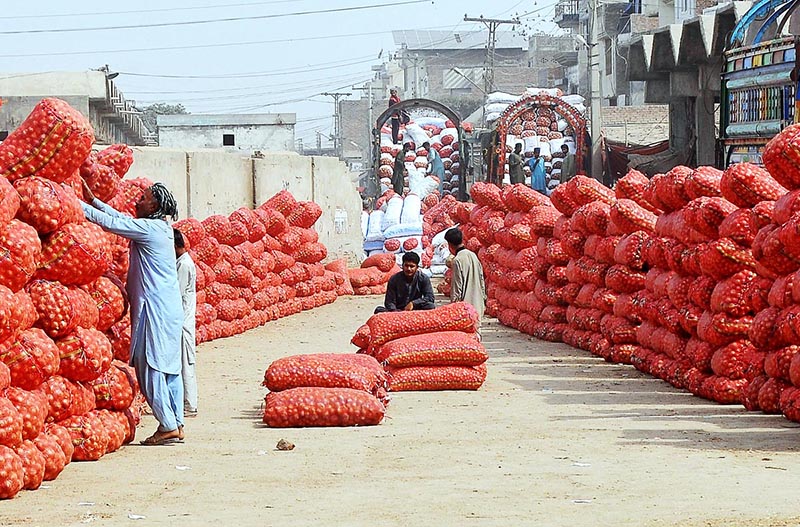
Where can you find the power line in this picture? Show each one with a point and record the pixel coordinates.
(293, 71)
(294, 87)
(289, 101)
(199, 46)
(297, 86)
(212, 21)
(143, 11)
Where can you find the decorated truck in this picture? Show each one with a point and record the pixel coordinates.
(759, 82)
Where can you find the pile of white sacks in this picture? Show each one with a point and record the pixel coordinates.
(442, 135)
(396, 227)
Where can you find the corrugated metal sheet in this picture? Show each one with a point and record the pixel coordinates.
(426, 39)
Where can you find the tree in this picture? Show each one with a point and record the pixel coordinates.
(160, 108)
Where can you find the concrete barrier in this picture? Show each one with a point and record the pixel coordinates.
(207, 182)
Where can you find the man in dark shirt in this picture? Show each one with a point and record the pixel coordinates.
(409, 289)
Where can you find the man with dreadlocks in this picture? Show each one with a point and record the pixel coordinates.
(155, 302)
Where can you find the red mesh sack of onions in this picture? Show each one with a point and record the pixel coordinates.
(20, 250)
(111, 300)
(9, 201)
(46, 205)
(33, 465)
(116, 425)
(745, 184)
(436, 378)
(102, 180)
(115, 388)
(17, 313)
(32, 407)
(304, 407)
(385, 327)
(192, 230)
(325, 370)
(52, 143)
(10, 424)
(311, 253)
(88, 435)
(59, 308)
(273, 220)
(782, 157)
(361, 338)
(446, 348)
(304, 215)
(32, 358)
(12, 473)
(283, 202)
(119, 157)
(128, 193)
(85, 354)
(66, 398)
(76, 254)
(54, 458)
(383, 261)
(62, 438)
(120, 337)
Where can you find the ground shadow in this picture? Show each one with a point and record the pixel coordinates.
(623, 396)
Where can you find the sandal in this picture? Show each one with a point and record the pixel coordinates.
(160, 439)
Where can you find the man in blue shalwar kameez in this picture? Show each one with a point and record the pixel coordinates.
(155, 303)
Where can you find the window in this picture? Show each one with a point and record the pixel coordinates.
(227, 140)
(609, 56)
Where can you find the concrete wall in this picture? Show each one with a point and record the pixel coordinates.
(61, 84)
(16, 109)
(636, 124)
(247, 138)
(167, 167)
(207, 182)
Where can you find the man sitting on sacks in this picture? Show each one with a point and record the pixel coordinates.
(409, 289)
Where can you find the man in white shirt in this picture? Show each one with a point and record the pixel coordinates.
(187, 280)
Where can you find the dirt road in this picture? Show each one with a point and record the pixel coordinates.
(556, 437)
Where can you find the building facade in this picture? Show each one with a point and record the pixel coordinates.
(93, 93)
(246, 133)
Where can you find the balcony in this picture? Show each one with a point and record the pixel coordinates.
(567, 14)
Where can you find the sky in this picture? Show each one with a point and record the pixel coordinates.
(262, 61)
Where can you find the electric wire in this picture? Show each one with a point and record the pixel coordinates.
(211, 21)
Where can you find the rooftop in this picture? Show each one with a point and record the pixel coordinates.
(236, 119)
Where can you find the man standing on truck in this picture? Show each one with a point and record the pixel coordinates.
(515, 165)
(435, 165)
(395, 99)
(399, 169)
(568, 167)
(538, 174)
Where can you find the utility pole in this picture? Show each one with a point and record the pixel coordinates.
(337, 126)
(491, 24)
(370, 120)
(596, 94)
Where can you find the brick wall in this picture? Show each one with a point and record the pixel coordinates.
(636, 124)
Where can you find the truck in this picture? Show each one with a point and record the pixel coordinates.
(758, 95)
(419, 108)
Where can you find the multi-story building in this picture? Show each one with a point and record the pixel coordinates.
(680, 63)
(443, 65)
